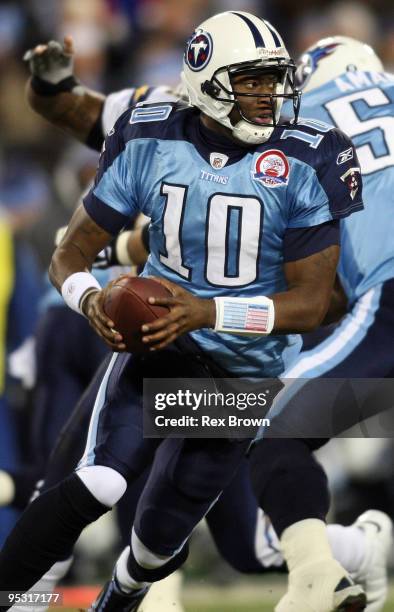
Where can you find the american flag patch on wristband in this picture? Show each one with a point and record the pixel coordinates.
(246, 317)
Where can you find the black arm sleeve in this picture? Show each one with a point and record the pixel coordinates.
(145, 237)
(95, 137)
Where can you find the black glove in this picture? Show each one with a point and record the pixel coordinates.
(52, 69)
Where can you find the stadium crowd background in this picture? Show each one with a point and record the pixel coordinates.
(121, 43)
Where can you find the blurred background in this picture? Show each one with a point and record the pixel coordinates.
(121, 43)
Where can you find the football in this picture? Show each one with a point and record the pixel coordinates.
(128, 307)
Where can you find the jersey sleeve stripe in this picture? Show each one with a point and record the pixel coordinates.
(345, 212)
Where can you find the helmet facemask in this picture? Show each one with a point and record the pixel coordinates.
(220, 87)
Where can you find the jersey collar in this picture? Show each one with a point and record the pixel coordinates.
(207, 142)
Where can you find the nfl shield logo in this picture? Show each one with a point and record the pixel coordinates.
(218, 160)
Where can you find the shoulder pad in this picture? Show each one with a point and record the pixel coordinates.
(162, 120)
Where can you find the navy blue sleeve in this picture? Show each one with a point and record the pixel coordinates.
(111, 220)
(114, 145)
(108, 199)
(339, 174)
(96, 136)
(303, 242)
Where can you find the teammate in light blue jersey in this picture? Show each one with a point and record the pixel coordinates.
(244, 211)
(360, 102)
(344, 84)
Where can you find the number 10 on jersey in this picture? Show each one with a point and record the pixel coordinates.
(228, 216)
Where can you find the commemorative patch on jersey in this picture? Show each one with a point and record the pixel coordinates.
(198, 50)
(352, 179)
(272, 168)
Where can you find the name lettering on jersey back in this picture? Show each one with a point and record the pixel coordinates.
(214, 178)
(359, 80)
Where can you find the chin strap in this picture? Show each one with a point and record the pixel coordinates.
(246, 132)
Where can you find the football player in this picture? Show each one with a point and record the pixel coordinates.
(244, 550)
(343, 83)
(266, 113)
(60, 382)
(54, 93)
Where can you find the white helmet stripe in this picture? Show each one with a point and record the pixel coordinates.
(257, 37)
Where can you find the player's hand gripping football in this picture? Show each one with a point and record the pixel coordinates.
(52, 62)
(93, 309)
(187, 312)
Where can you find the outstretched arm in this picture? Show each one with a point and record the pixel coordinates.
(55, 94)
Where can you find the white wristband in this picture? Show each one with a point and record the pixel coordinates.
(75, 287)
(121, 250)
(245, 316)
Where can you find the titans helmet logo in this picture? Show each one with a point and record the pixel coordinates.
(198, 50)
(320, 53)
(310, 61)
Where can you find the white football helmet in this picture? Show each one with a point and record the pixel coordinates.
(333, 56)
(228, 44)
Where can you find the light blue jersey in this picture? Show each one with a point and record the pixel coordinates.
(221, 215)
(362, 105)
